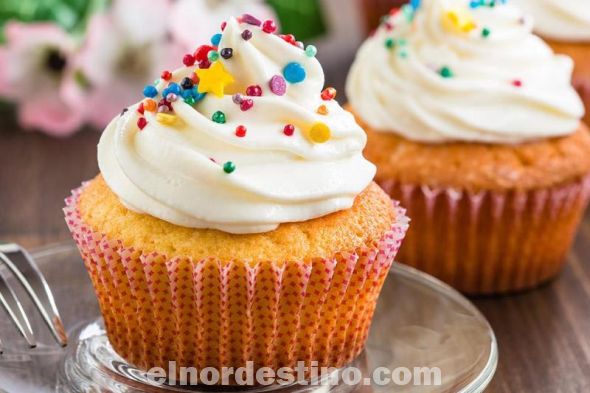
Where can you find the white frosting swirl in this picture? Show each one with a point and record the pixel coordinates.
(563, 20)
(506, 86)
(168, 171)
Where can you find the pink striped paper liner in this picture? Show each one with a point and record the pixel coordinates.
(212, 313)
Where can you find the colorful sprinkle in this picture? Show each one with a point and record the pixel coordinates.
(278, 85)
(389, 43)
(254, 91)
(311, 51)
(188, 60)
(237, 99)
(171, 97)
(246, 35)
(415, 4)
(251, 20)
(485, 32)
(446, 72)
(458, 21)
(227, 53)
(201, 53)
(219, 117)
(216, 39)
(166, 75)
(319, 133)
(214, 79)
(246, 104)
(141, 123)
(140, 108)
(223, 25)
(241, 131)
(289, 130)
(150, 105)
(269, 26)
(322, 110)
(190, 101)
(213, 56)
(166, 118)
(187, 83)
(229, 167)
(150, 91)
(294, 72)
(125, 110)
(517, 83)
(328, 94)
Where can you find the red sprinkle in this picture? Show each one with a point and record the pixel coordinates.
(204, 64)
(246, 104)
(164, 102)
(188, 60)
(254, 91)
(289, 129)
(269, 26)
(517, 83)
(166, 75)
(241, 131)
(201, 53)
(140, 108)
(290, 38)
(141, 123)
(195, 78)
(328, 94)
(223, 25)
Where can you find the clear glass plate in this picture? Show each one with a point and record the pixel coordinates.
(419, 322)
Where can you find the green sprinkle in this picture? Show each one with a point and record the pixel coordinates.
(389, 43)
(229, 167)
(190, 100)
(446, 72)
(311, 51)
(213, 56)
(219, 117)
(485, 32)
(402, 41)
(403, 54)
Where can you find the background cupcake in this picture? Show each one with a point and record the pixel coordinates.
(474, 126)
(565, 25)
(235, 218)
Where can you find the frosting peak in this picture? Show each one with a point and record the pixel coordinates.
(567, 20)
(239, 140)
(461, 70)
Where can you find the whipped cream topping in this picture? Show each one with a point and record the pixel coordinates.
(563, 20)
(240, 171)
(449, 71)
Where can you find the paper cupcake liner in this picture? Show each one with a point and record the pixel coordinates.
(490, 242)
(212, 313)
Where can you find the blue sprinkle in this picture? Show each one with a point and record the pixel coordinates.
(150, 91)
(174, 88)
(216, 39)
(193, 93)
(415, 4)
(294, 72)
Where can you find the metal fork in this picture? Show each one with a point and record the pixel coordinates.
(21, 265)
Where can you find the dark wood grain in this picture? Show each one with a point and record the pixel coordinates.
(543, 335)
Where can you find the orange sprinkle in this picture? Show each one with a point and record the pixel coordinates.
(150, 105)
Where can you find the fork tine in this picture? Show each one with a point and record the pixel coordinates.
(24, 269)
(16, 312)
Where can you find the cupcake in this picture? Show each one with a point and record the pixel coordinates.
(235, 219)
(474, 126)
(565, 26)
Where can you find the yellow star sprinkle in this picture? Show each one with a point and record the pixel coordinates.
(214, 79)
(320, 133)
(458, 21)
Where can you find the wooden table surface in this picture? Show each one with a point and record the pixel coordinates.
(543, 335)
